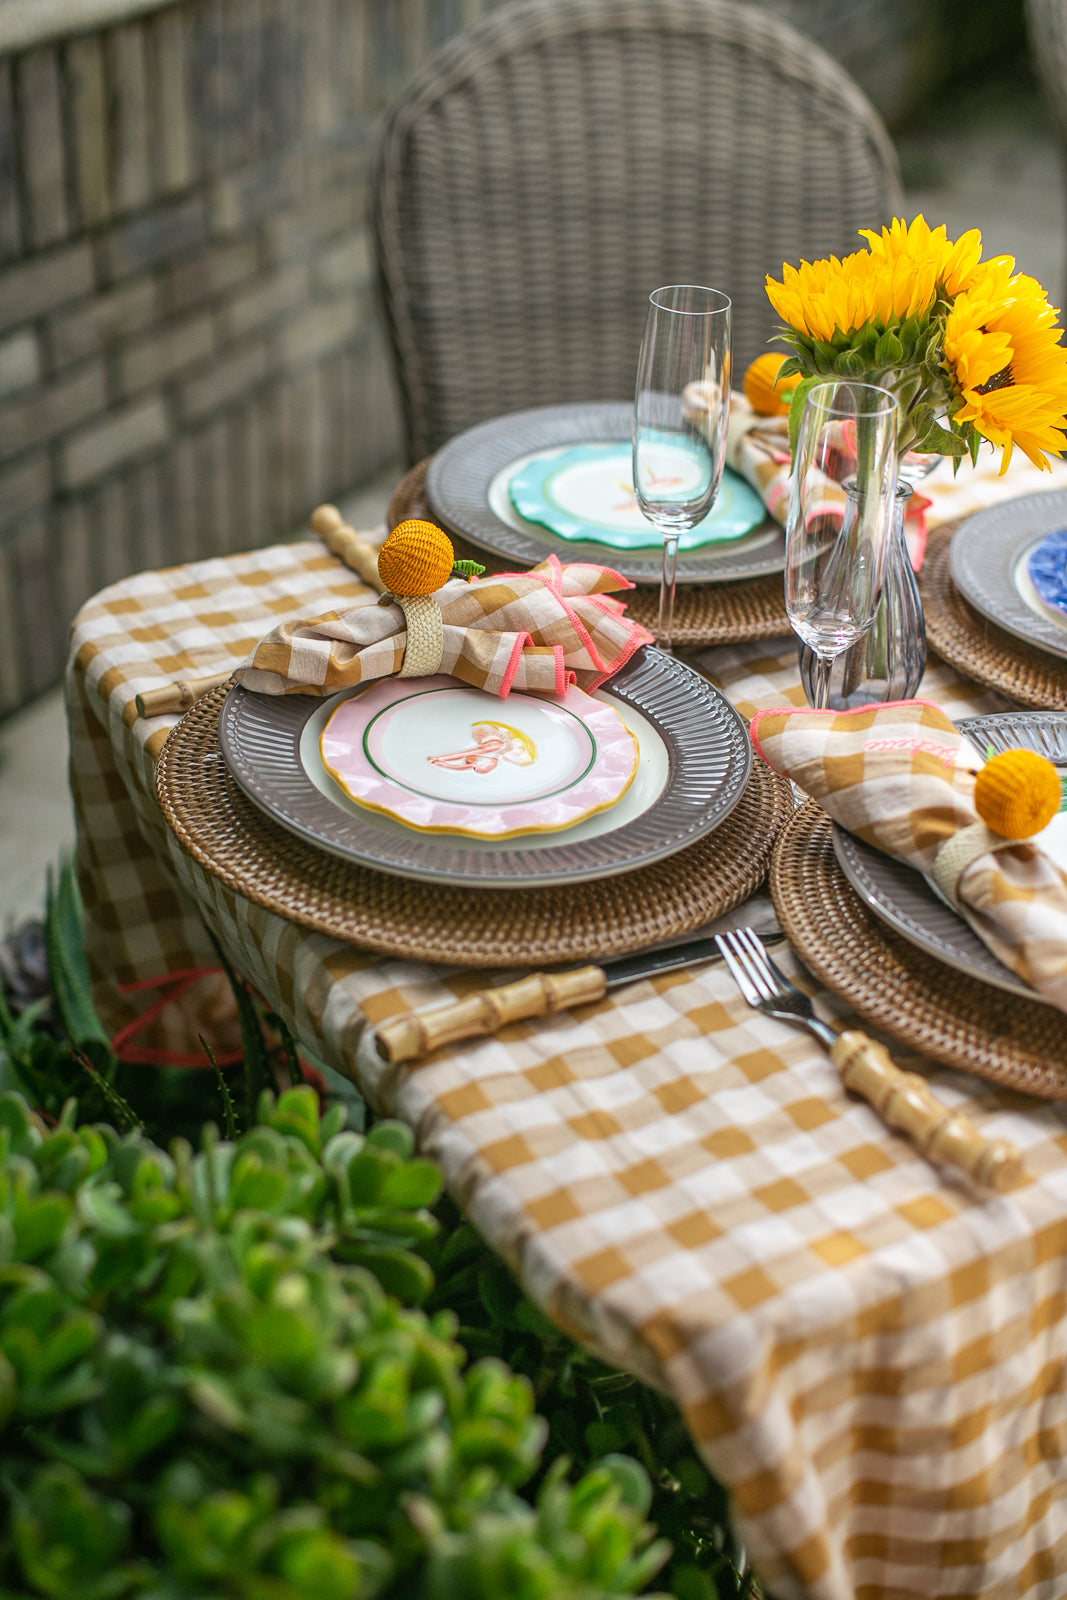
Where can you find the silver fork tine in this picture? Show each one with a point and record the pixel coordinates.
(740, 976)
(757, 972)
(774, 977)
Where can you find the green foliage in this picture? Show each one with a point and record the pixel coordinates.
(595, 1414)
(905, 357)
(207, 1394)
(53, 1046)
(207, 1388)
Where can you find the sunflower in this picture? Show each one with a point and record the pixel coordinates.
(1008, 367)
(928, 252)
(951, 335)
(901, 274)
(821, 298)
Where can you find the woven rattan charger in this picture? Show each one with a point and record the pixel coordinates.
(704, 614)
(227, 834)
(956, 1019)
(977, 647)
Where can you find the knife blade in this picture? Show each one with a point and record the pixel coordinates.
(416, 1033)
(620, 970)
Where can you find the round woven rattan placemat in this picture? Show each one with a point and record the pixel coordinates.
(253, 855)
(704, 614)
(958, 1020)
(976, 646)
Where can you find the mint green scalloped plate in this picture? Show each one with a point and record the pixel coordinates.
(585, 494)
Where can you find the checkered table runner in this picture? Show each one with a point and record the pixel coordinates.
(870, 1355)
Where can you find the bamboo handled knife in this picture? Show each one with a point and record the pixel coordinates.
(416, 1033)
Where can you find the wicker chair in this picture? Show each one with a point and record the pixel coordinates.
(554, 163)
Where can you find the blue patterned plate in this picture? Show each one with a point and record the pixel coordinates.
(1047, 566)
(992, 563)
(585, 494)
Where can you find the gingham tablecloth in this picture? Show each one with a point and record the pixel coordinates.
(870, 1354)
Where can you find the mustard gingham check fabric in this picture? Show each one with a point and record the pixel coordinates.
(870, 1355)
(902, 778)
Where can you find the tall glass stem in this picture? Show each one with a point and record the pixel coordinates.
(821, 668)
(667, 584)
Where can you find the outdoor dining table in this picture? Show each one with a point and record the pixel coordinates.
(869, 1351)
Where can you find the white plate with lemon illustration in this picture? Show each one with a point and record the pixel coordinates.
(444, 758)
(693, 758)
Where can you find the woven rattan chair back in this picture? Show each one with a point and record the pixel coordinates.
(554, 163)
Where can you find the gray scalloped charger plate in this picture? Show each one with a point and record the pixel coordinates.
(693, 767)
(988, 560)
(905, 900)
(467, 490)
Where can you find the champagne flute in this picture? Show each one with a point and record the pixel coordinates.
(840, 519)
(681, 409)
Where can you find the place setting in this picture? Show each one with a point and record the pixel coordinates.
(645, 487)
(478, 770)
(496, 766)
(995, 594)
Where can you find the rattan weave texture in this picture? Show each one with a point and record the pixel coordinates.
(557, 161)
(229, 836)
(977, 647)
(704, 613)
(943, 1013)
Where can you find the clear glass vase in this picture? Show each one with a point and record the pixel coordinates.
(888, 664)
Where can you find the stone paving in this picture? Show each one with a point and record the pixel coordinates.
(988, 158)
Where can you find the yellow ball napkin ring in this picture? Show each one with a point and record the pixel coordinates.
(766, 393)
(1016, 794)
(415, 561)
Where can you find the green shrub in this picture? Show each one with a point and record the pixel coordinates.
(215, 1383)
(594, 1412)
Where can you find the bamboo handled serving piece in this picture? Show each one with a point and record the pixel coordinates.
(905, 1101)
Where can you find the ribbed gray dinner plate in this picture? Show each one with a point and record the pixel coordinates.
(988, 562)
(903, 898)
(462, 473)
(703, 744)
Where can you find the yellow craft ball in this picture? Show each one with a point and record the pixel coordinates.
(417, 558)
(766, 393)
(1017, 793)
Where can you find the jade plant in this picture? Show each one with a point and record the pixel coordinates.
(600, 1423)
(216, 1382)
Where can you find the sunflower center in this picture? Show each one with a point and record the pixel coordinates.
(1000, 380)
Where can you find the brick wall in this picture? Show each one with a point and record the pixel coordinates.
(189, 354)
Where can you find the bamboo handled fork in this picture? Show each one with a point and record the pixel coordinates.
(902, 1099)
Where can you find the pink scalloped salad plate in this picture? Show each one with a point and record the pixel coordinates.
(441, 757)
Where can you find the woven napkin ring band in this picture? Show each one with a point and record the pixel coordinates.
(426, 633)
(957, 853)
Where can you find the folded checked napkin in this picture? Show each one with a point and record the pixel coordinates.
(901, 777)
(538, 631)
(758, 448)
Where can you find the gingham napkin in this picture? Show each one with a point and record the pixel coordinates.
(758, 448)
(537, 631)
(901, 777)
